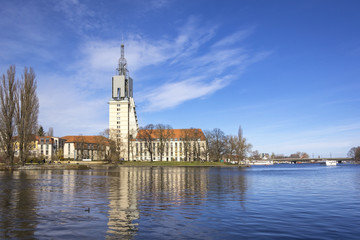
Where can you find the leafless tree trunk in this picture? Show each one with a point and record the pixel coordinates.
(147, 135)
(186, 139)
(242, 146)
(354, 153)
(8, 97)
(132, 137)
(27, 111)
(207, 146)
(217, 145)
(195, 136)
(163, 133)
(117, 145)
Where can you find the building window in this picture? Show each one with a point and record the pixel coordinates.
(118, 118)
(118, 109)
(118, 122)
(118, 105)
(118, 113)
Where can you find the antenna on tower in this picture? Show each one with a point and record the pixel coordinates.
(122, 62)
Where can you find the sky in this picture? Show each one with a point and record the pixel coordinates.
(287, 72)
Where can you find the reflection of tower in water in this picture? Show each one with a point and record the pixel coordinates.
(142, 196)
(123, 209)
(158, 188)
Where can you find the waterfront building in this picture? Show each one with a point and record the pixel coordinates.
(86, 147)
(51, 147)
(169, 145)
(44, 147)
(123, 123)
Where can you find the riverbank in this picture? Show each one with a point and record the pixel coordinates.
(80, 165)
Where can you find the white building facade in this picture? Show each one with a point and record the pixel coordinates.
(179, 145)
(85, 147)
(123, 123)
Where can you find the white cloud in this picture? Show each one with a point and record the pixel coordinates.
(77, 101)
(70, 109)
(234, 38)
(172, 94)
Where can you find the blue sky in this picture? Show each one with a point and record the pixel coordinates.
(286, 71)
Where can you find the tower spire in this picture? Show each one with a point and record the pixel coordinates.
(122, 70)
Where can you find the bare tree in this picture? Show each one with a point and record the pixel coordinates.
(101, 147)
(195, 137)
(186, 140)
(117, 145)
(106, 134)
(27, 111)
(146, 134)
(242, 147)
(354, 153)
(206, 150)
(255, 155)
(163, 133)
(217, 144)
(132, 137)
(8, 92)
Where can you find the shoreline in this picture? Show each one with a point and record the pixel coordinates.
(80, 165)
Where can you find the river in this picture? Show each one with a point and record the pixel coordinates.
(302, 201)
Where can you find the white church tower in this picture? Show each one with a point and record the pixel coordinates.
(123, 124)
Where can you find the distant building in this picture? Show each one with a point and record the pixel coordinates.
(45, 147)
(176, 145)
(123, 123)
(86, 147)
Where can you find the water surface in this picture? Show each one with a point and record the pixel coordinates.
(304, 201)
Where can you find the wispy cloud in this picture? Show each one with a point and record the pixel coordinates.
(215, 66)
(78, 16)
(172, 94)
(236, 37)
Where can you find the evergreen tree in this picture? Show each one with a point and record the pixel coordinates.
(41, 132)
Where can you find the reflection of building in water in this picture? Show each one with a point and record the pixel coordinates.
(69, 184)
(137, 194)
(168, 186)
(123, 208)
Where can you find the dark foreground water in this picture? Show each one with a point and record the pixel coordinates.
(306, 201)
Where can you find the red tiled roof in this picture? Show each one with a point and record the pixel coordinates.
(176, 133)
(86, 139)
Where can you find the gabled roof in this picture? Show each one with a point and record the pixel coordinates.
(86, 139)
(175, 133)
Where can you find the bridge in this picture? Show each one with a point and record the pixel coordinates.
(310, 160)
